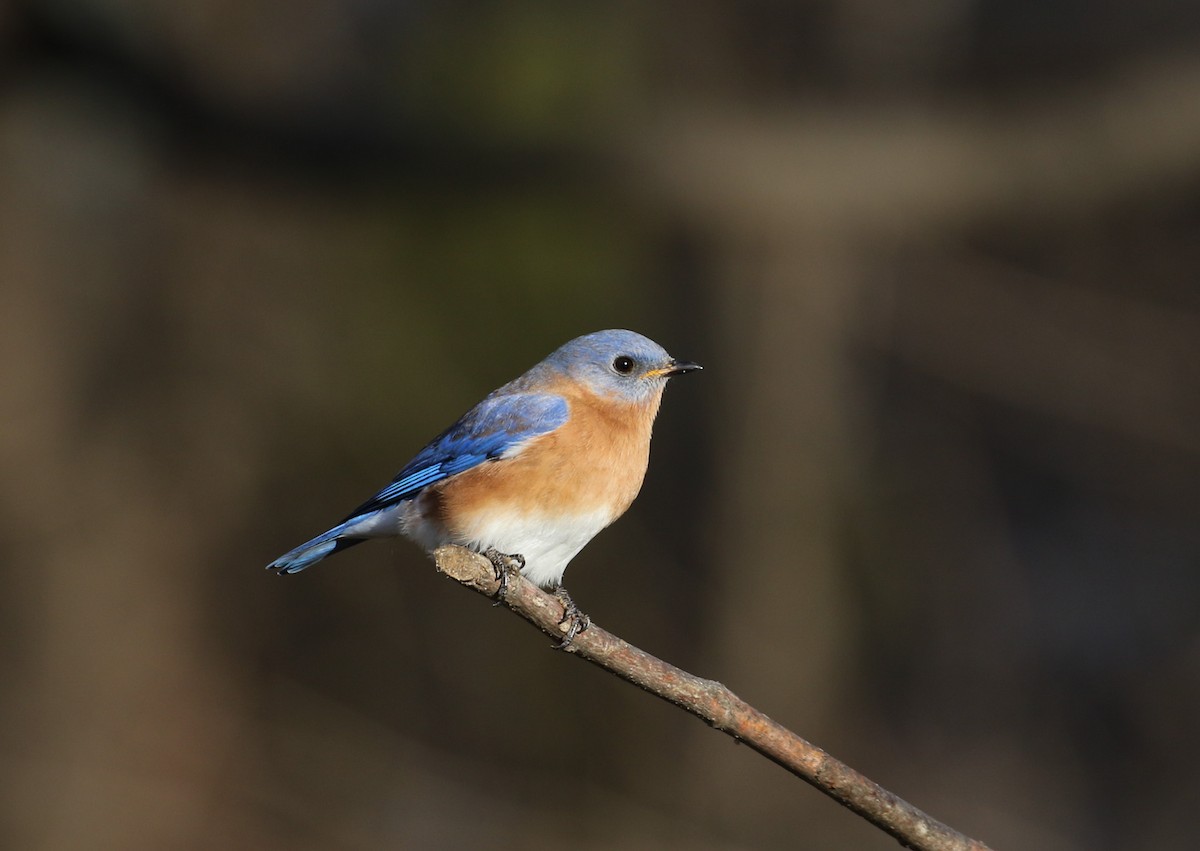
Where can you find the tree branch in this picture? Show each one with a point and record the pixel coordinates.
(715, 704)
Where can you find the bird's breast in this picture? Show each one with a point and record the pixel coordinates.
(595, 462)
(555, 493)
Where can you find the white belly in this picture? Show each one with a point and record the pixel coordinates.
(547, 544)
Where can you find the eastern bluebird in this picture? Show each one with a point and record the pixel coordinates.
(533, 471)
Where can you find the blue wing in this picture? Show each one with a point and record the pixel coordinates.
(496, 426)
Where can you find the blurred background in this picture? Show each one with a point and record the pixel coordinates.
(934, 504)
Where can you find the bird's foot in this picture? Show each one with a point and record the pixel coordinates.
(575, 620)
(504, 565)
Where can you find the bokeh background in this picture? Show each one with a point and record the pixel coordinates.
(934, 503)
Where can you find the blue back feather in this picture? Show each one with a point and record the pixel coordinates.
(498, 424)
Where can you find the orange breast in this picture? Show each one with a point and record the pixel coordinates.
(595, 461)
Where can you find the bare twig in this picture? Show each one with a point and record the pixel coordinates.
(715, 704)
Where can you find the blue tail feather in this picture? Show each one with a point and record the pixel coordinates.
(311, 552)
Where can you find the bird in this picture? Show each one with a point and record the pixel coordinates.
(529, 475)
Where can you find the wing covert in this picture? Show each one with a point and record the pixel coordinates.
(496, 426)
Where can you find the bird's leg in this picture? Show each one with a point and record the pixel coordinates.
(503, 564)
(578, 621)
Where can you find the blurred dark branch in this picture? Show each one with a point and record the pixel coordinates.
(920, 166)
(715, 704)
(340, 132)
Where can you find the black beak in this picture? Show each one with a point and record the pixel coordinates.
(682, 367)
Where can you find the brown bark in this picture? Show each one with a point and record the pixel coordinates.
(715, 704)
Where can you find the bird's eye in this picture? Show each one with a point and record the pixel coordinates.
(623, 364)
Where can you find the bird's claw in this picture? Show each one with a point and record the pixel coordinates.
(504, 565)
(576, 620)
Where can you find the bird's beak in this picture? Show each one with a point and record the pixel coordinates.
(675, 367)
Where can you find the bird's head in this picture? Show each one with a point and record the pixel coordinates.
(619, 363)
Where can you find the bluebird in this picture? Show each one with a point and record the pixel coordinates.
(530, 474)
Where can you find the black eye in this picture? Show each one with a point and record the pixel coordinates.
(623, 364)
